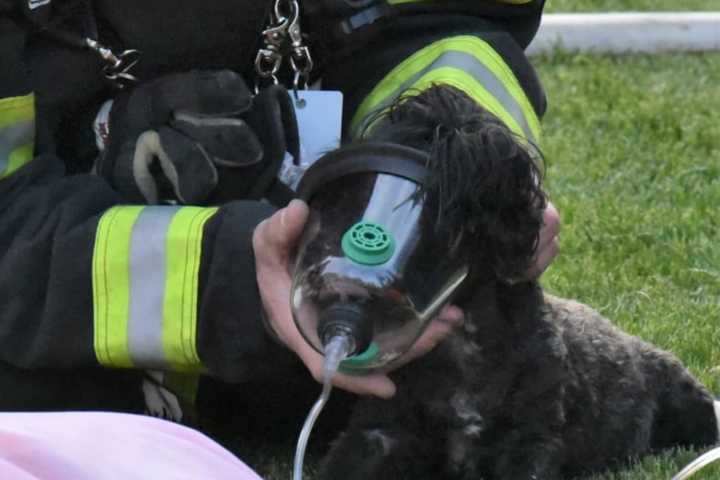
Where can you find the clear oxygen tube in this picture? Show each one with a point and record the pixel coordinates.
(698, 464)
(337, 348)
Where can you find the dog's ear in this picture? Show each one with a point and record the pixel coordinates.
(484, 194)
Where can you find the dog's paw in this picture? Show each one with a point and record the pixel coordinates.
(159, 401)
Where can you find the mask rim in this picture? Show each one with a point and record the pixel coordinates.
(370, 157)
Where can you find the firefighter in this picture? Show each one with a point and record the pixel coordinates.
(134, 252)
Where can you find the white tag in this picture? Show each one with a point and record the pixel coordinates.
(33, 4)
(101, 125)
(319, 117)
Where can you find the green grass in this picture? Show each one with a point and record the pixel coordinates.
(629, 5)
(632, 148)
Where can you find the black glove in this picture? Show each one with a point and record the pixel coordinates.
(199, 137)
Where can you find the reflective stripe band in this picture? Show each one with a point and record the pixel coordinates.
(184, 243)
(17, 133)
(111, 286)
(148, 269)
(485, 72)
(145, 279)
(465, 82)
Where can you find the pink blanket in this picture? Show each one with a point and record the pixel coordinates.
(104, 446)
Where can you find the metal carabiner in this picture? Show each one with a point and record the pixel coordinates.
(300, 59)
(294, 30)
(117, 67)
(276, 33)
(119, 71)
(267, 64)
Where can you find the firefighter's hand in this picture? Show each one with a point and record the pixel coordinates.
(273, 242)
(547, 247)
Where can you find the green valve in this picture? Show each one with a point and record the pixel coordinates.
(368, 243)
(359, 363)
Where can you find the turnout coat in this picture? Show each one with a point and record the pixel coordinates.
(71, 333)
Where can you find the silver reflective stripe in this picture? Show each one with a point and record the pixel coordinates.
(13, 137)
(147, 286)
(481, 73)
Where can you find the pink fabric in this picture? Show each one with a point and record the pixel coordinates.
(105, 446)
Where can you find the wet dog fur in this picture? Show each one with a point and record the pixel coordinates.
(532, 386)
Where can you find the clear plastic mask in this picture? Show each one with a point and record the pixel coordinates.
(366, 257)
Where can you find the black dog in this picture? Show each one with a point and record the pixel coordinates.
(533, 387)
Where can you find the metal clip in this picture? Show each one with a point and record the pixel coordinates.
(267, 63)
(283, 36)
(277, 32)
(117, 67)
(269, 58)
(300, 59)
(294, 30)
(301, 63)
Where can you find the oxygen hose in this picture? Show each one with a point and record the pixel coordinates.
(698, 464)
(336, 350)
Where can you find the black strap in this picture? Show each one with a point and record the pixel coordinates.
(81, 10)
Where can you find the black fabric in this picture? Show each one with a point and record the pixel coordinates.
(340, 29)
(47, 231)
(76, 389)
(233, 343)
(48, 225)
(12, 49)
(179, 35)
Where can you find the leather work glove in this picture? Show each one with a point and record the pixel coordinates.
(197, 138)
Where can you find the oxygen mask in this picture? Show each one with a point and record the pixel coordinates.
(368, 267)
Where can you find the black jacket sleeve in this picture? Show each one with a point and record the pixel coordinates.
(87, 280)
(350, 43)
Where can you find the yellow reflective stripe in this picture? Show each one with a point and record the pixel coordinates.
(19, 157)
(111, 286)
(462, 81)
(17, 133)
(146, 264)
(486, 54)
(16, 109)
(480, 50)
(184, 242)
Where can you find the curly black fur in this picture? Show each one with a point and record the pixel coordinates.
(485, 186)
(532, 387)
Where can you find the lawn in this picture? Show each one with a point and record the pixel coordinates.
(632, 148)
(624, 5)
